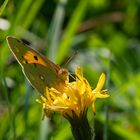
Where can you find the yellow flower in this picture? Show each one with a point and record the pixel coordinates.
(76, 97)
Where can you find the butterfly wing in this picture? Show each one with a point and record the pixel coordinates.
(39, 76)
(39, 70)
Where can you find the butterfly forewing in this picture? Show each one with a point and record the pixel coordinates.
(40, 71)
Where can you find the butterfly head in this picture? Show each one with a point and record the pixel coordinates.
(63, 73)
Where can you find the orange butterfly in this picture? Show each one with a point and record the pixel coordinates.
(39, 70)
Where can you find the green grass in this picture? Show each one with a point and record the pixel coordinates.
(53, 28)
(3, 6)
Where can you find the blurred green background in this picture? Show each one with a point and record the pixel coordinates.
(105, 33)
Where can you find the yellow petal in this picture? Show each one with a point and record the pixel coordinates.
(101, 82)
(79, 72)
(101, 94)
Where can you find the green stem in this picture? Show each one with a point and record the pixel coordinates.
(80, 128)
(105, 133)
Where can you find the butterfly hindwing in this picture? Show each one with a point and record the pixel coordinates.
(39, 77)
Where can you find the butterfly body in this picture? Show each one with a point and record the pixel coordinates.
(39, 70)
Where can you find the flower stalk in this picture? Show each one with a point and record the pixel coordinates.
(80, 127)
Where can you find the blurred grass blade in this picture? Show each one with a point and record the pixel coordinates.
(125, 135)
(35, 7)
(71, 29)
(105, 130)
(27, 105)
(11, 114)
(43, 132)
(22, 18)
(55, 29)
(3, 57)
(22, 11)
(2, 8)
(64, 133)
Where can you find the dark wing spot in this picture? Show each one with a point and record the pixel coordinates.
(35, 57)
(41, 77)
(24, 41)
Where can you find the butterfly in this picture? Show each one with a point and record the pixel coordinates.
(38, 69)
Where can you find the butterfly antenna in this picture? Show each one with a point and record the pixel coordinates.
(70, 58)
(72, 76)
